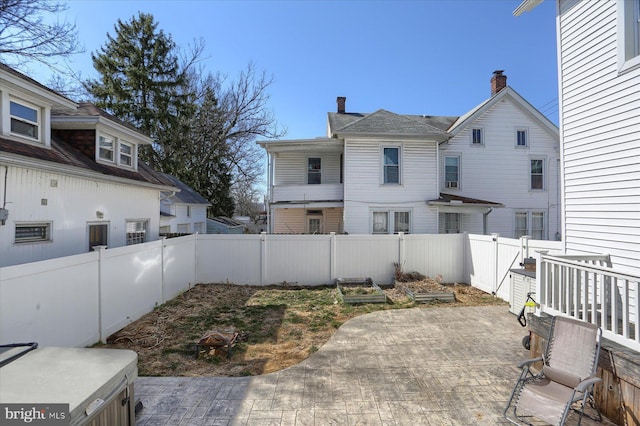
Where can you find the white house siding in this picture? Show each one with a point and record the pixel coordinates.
(600, 129)
(72, 203)
(499, 171)
(198, 215)
(364, 191)
(291, 167)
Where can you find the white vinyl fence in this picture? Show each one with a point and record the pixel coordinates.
(80, 300)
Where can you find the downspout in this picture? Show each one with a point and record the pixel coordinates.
(484, 220)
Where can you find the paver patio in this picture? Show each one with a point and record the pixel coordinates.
(421, 366)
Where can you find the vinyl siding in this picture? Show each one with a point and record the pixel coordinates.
(499, 171)
(364, 191)
(71, 204)
(293, 220)
(601, 135)
(179, 210)
(291, 168)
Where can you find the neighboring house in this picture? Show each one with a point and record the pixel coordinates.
(183, 212)
(493, 170)
(224, 225)
(70, 178)
(599, 69)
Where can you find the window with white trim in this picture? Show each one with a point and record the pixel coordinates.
(386, 222)
(183, 228)
(530, 223)
(136, 231)
(452, 171)
(106, 146)
(25, 119)
(452, 223)
(628, 34)
(537, 173)
(522, 138)
(35, 232)
(477, 136)
(391, 164)
(314, 170)
(114, 150)
(126, 154)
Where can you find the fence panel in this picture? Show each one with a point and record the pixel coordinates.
(131, 284)
(437, 254)
(233, 258)
(367, 256)
(178, 265)
(301, 259)
(52, 302)
(481, 261)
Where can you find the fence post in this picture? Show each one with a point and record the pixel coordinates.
(100, 250)
(263, 257)
(524, 247)
(162, 246)
(494, 238)
(541, 280)
(401, 249)
(332, 256)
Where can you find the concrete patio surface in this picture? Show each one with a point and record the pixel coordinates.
(420, 366)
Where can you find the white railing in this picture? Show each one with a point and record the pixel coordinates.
(588, 289)
(322, 192)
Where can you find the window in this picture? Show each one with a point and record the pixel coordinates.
(391, 165)
(452, 172)
(521, 227)
(314, 171)
(537, 225)
(400, 222)
(98, 235)
(314, 221)
(380, 222)
(126, 154)
(188, 211)
(183, 228)
(114, 150)
(106, 146)
(33, 232)
(451, 223)
(537, 174)
(199, 228)
(165, 229)
(521, 137)
(24, 120)
(629, 34)
(136, 231)
(530, 223)
(384, 222)
(476, 136)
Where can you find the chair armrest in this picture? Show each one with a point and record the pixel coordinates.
(528, 362)
(583, 385)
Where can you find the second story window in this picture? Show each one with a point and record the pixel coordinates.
(314, 170)
(537, 174)
(126, 154)
(391, 165)
(25, 120)
(477, 136)
(452, 172)
(521, 137)
(105, 150)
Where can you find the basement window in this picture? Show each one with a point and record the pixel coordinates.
(33, 232)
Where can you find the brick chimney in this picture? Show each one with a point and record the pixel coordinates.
(342, 101)
(498, 81)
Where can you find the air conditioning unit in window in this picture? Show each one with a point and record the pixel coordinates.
(452, 184)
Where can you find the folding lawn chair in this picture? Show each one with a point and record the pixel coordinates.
(567, 378)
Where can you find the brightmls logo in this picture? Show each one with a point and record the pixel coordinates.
(35, 414)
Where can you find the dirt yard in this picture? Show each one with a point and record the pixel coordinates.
(277, 326)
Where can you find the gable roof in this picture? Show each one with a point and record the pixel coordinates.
(187, 195)
(383, 122)
(509, 93)
(24, 82)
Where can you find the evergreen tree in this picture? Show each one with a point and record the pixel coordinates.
(141, 82)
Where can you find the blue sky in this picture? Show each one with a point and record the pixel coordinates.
(431, 57)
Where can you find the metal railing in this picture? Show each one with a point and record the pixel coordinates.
(589, 289)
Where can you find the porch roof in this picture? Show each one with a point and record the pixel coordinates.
(449, 203)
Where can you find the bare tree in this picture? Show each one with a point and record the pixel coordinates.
(30, 31)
